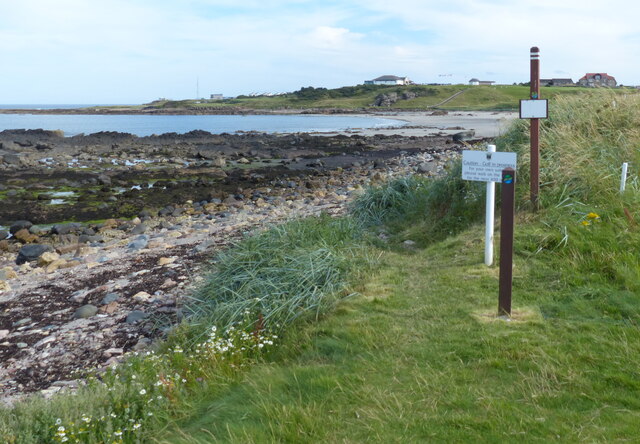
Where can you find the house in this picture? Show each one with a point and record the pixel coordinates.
(595, 79)
(556, 82)
(216, 97)
(475, 81)
(389, 80)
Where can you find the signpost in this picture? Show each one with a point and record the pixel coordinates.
(487, 167)
(490, 166)
(507, 216)
(533, 111)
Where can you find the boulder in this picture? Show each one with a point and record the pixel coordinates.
(48, 257)
(19, 225)
(25, 236)
(31, 252)
(463, 135)
(66, 228)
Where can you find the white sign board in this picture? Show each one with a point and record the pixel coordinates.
(534, 109)
(486, 167)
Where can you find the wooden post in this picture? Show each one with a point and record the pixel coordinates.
(535, 128)
(507, 216)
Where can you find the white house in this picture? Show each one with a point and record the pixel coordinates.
(389, 80)
(475, 81)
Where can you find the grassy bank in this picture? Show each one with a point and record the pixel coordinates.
(419, 354)
(413, 97)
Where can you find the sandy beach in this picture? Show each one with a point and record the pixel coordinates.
(484, 123)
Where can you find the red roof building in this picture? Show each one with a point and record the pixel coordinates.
(595, 79)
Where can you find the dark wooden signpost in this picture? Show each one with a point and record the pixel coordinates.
(507, 216)
(534, 109)
(535, 128)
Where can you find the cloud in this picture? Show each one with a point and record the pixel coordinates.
(136, 50)
(337, 39)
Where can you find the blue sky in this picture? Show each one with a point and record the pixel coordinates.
(134, 51)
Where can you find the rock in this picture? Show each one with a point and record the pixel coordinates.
(19, 225)
(463, 135)
(25, 236)
(85, 238)
(103, 179)
(166, 260)
(142, 344)
(110, 308)
(139, 243)
(31, 252)
(66, 228)
(4, 234)
(428, 167)
(204, 246)
(86, 311)
(168, 283)
(4, 286)
(113, 352)
(3, 334)
(408, 243)
(79, 296)
(219, 162)
(7, 273)
(244, 161)
(135, 316)
(109, 298)
(142, 296)
(47, 257)
(56, 265)
(139, 229)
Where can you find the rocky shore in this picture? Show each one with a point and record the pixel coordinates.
(147, 214)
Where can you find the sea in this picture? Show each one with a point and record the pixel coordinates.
(146, 125)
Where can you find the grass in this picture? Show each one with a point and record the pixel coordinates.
(420, 357)
(281, 274)
(498, 97)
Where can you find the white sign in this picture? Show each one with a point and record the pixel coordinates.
(534, 109)
(483, 166)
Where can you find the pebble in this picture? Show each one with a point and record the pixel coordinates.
(135, 316)
(86, 311)
(142, 296)
(166, 260)
(109, 298)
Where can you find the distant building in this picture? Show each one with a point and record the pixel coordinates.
(595, 79)
(556, 82)
(475, 81)
(389, 80)
(216, 97)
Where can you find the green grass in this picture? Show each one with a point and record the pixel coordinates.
(498, 97)
(420, 357)
(284, 273)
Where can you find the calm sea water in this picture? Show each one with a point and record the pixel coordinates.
(143, 125)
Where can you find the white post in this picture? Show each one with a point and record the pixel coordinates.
(623, 179)
(491, 201)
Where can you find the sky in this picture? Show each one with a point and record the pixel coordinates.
(135, 51)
